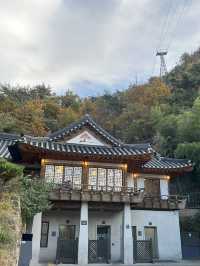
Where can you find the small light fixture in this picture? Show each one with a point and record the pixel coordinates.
(103, 222)
(168, 177)
(67, 221)
(125, 166)
(135, 175)
(85, 163)
(45, 161)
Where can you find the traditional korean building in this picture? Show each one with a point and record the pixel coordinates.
(111, 202)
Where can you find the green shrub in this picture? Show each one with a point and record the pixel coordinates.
(5, 235)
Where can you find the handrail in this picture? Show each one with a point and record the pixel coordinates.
(131, 191)
(97, 188)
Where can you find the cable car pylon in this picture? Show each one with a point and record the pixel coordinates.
(163, 66)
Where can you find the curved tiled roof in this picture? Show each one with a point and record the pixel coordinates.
(129, 151)
(125, 150)
(87, 149)
(4, 152)
(85, 121)
(6, 140)
(167, 163)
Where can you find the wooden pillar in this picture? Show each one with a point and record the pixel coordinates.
(85, 175)
(125, 178)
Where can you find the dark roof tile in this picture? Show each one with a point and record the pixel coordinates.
(86, 120)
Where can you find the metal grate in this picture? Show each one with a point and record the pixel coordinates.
(98, 251)
(193, 200)
(67, 251)
(143, 251)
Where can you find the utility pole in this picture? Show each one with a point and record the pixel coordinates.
(163, 67)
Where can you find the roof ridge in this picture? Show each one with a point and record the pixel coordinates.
(79, 124)
(40, 140)
(10, 136)
(174, 159)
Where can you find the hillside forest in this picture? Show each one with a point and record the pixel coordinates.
(165, 113)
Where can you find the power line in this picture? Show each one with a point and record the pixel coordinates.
(172, 19)
(185, 6)
(165, 26)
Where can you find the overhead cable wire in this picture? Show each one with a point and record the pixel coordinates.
(185, 6)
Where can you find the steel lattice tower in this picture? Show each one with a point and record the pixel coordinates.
(163, 67)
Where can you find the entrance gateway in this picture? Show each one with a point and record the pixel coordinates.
(67, 245)
(99, 249)
(145, 250)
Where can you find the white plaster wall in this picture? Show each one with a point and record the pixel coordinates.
(168, 231)
(114, 219)
(55, 219)
(167, 223)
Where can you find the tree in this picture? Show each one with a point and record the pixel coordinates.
(189, 124)
(21, 94)
(70, 99)
(34, 194)
(30, 118)
(67, 116)
(135, 121)
(8, 122)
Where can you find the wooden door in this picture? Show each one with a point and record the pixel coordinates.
(152, 187)
(151, 234)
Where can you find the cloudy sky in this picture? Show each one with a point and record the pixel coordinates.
(93, 45)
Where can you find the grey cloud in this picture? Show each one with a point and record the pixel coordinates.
(63, 43)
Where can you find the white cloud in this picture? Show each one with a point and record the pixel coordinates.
(67, 42)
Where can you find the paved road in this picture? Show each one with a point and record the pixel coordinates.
(181, 263)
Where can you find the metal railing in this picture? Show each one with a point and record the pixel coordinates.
(164, 201)
(193, 200)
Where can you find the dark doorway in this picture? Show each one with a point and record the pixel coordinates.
(190, 245)
(67, 246)
(99, 249)
(134, 232)
(103, 237)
